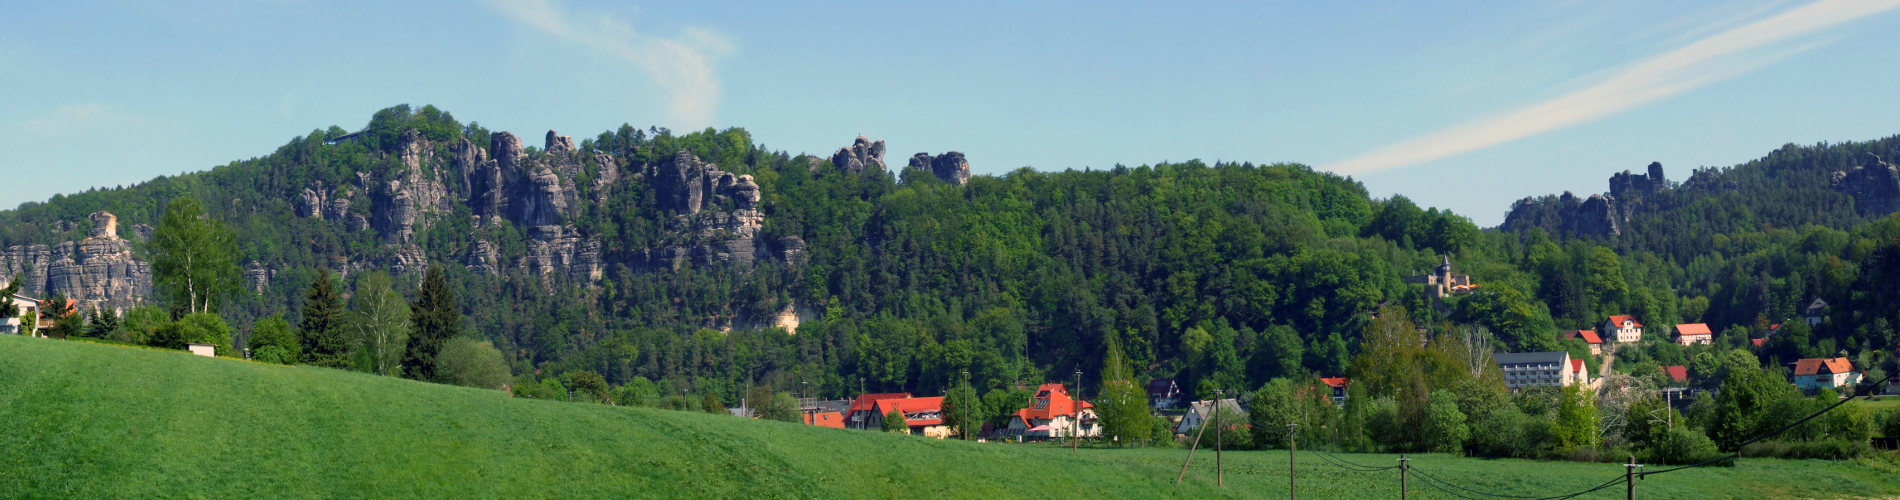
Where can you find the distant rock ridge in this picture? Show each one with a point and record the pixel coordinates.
(1874, 185)
(1598, 215)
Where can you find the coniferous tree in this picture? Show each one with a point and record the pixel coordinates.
(435, 318)
(320, 329)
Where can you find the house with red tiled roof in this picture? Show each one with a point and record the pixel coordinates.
(1579, 373)
(924, 416)
(1338, 385)
(1677, 373)
(1589, 337)
(1693, 333)
(1623, 328)
(832, 419)
(1053, 413)
(1830, 373)
(863, 409)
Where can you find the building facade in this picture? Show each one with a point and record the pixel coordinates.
(1537, 369)
(1623, 328)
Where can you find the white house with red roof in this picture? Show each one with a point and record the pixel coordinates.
(1829, 373)
(924, 416)
(1693, 333)
(1623, 328)
(1589, 337)
(860, 415)
(1053, 414)
(1338, 386)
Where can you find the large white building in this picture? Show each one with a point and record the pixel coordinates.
(1534, 369)
(1623, 328)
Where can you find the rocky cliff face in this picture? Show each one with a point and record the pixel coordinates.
(717, 213)
(1874, 186)
(1599, 215)
(98, 271)
(860, 155)
(951, 167)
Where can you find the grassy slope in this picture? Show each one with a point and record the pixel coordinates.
(85, 420)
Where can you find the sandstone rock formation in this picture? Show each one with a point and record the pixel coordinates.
(951, 166)
(1874, 186)
(860, 155)
(99, 271)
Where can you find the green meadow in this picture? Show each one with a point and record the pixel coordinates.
(98, 421)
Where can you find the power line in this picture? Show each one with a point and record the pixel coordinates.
(1738, 448)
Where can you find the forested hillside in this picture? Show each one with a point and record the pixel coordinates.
(665, 262)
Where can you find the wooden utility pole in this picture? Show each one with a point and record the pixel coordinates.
(1075, 405)
(1402, 468)
(965, 406)
(1198, 432)
(1215, 410)
(1291, 491)
(1629, 478)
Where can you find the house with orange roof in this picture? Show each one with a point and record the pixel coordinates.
(1829, 373)
(1693, 333)
(1678, 374)
(1053, 413)
(1579, 373)
(1623, 328)
(832, 419)
(1589, 337)
(1338, 386)
(924, 416)
(863, 409)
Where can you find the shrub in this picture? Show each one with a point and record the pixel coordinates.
(1684, 446)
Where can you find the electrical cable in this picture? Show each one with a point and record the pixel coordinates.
(1784, 428)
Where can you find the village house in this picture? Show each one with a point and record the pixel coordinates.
(1693, 333)
(1053, 414)
(1589, 337)
(1815, 312)
(1201, 412)
(830, 419)
(1441, 282)
(27, 305)
(1623, 328)
(1163, 394)
(1338, 385)
(864, 407)
(1534, 369)
(1824, 373)
(1678, 374)
(1579, 372)
(924, 416)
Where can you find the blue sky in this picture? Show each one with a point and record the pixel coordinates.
(1466, 106)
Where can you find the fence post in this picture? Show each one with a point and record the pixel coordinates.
(1629, 478)
(1292, 472)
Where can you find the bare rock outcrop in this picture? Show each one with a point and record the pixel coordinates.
(951, 167)
(1874, 186)
(861, 154)
(99, 271)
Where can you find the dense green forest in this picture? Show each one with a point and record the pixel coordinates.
(1224, 275)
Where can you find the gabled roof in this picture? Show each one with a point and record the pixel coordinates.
(1619, 319)
(1576, 366)
(1687, 329)
(830, 419)
(1530, 358)
(910, 406)
(1677, 373)
(1757, 342)
(1161, 387)
(1052, 400)
(1335, 382)
(869, 401)
(1823, 366)
(1816, 308)
(1589, 336)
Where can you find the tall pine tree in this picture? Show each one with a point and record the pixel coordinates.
(435, 318)
(320, 331)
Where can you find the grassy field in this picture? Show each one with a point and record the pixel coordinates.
(96, 421)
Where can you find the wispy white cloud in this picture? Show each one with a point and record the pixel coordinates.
(1717, 57)
(682, 65)
(77, 119)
